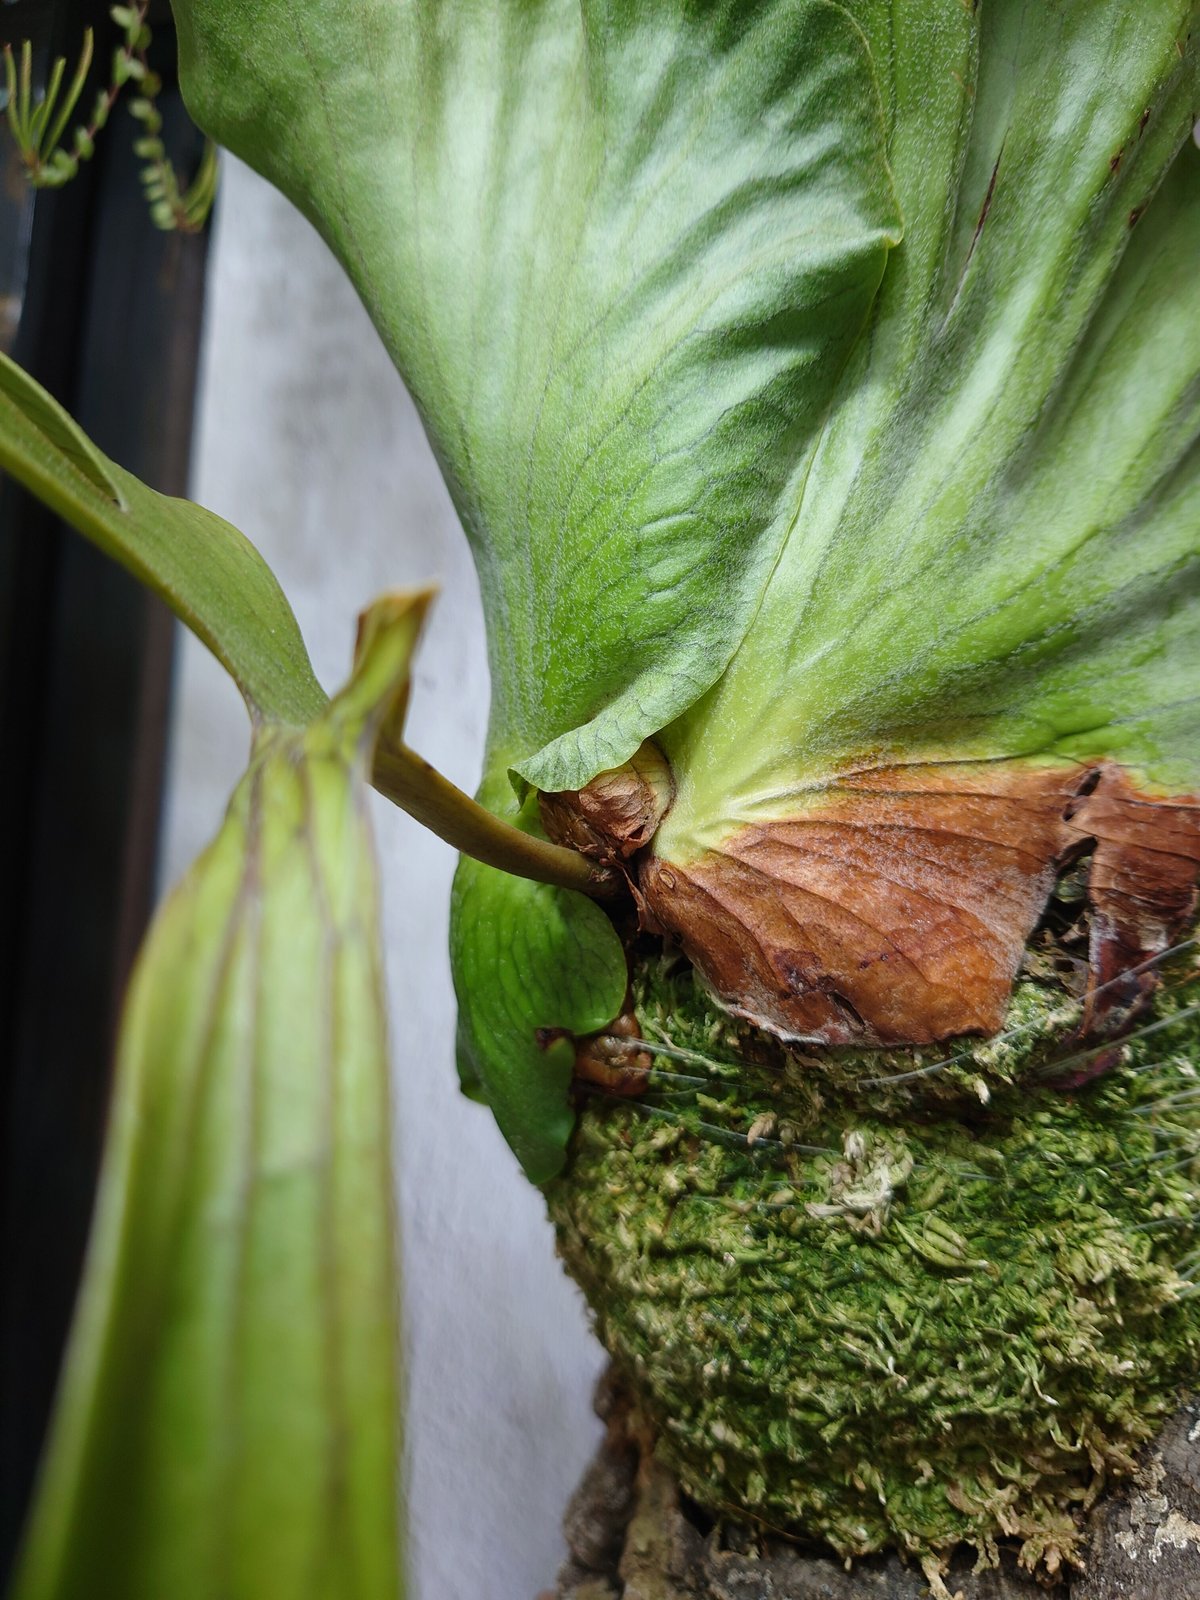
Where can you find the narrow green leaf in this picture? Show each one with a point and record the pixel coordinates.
(228, 1426)
(71, 99)
(37, 123)
(207, 572)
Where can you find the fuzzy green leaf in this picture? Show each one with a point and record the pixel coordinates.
(229, 1426)
(210, 575)
(997, 551)
(620, 253)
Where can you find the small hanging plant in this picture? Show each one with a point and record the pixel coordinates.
(52, 149)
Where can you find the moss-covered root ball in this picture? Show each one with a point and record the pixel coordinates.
(946, 1307)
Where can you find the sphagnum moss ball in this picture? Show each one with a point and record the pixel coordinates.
(912, 1313)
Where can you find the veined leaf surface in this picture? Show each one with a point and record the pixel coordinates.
(979, 655)
(620, 253)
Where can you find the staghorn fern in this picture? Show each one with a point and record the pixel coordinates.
(819, 387)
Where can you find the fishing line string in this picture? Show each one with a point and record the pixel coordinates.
(719, 1072)
(1028, 1027)
(718, 1067)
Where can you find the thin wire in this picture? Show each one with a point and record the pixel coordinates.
(1153, 1107)
(741, 1141)
(719, 1066)
(1055, 1069)
(672, 1082)
(1015, 1033)
(725, 1135)
(1164, 1064)
(673, 1052)
(1160, 1157)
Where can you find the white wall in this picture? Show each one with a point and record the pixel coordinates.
(307, 441)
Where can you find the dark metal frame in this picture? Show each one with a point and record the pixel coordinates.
(105, 311)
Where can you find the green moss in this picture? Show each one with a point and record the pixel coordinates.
(909, 1314)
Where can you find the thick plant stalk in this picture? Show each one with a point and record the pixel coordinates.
(229, 1418)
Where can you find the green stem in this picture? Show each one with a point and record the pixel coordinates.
(66, 110)
(40, 117)
(416, 787)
